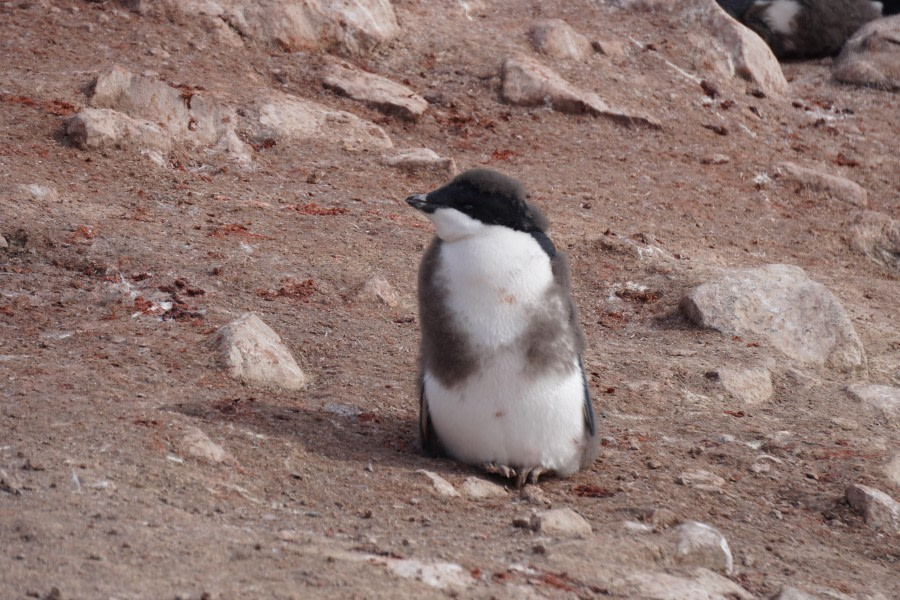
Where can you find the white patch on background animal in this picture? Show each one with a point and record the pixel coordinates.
(781, 14)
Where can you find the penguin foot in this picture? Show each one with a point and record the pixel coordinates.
(529, 476)
(522, 476)
(502, 470)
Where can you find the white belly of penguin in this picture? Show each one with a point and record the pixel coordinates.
(505, 413)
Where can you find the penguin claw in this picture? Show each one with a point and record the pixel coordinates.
(522, 476)
(502, 470)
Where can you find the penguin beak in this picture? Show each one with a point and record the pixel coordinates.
(420, 202)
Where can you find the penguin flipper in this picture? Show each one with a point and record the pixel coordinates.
(428, 437)
(587, 409)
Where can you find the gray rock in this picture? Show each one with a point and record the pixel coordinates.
(782, 306)
(526, 82)
(702, 584)
(879, 510)
(562, 522)
(701, 480)
(556, 39)
(421, 160)
(197, 444)
(481, 489)
(881, 399)
(699, 545)
(3, 243)
(373, 90)
(102, 128)
(892, 470)
(377, 289)
(441, 485)
(751, 386)
(830, 186)
(872, 55)
(255, 354)
(877, 236)
(286, 117)
(792, 593)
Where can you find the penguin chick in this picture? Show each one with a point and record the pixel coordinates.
(808, 28)
(501, 382)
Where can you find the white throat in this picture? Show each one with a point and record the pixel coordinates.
(452, 225)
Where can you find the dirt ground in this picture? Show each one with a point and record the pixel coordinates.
(322, 498)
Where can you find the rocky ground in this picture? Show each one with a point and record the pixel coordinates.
(168, 167)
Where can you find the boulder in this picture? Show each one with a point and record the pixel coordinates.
(556, 39)
(700, 545)
(879, 510)
(877, 236)
(102, 128)
(832, 187)
(701, 584)
(872, 55)
(751, 386)
(373, 90)
(881, 399)
(781, 305)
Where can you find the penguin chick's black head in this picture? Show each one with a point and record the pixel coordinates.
(487, 196)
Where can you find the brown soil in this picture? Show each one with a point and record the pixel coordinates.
(99, 382)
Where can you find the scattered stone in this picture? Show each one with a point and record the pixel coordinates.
(526, 82)
(716, 159)
(872, 55)
(879, 510)
(781, 305)
(751, 386)
(285, 117)
(877, 236)
(636, 527)
(3, 243)
(42, 193)
(101, 128)
(699, 545)
(378, 289)
(830, 186)
(196, 443)
(892, 470)
(9, 484)
(792, 593)
(563, 522)
(533, 494)
(556, 39)
(701, 480)
(439, 575)
(611, 48)
(882, 399)
(481, 489)
(702, 584)
(373, 90)
(255, 354)
(419, 160)
(845, 424)
(441, 485)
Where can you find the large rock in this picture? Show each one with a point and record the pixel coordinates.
(102, 128)
(877, 236)
(556, 39)
(255, 354)
(373, 90)
(699, 545)
(703, 584)
(879, 510)
(882, 399)
(751, 386)
(830, 186)
(872, 55)
(526, 82)
(348, 26)
(781, 305)
(282, 116)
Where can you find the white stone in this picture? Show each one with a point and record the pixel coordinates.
(373, 90)
(780, 305)
(255, 354)
(441, 485)
(101, 128)
(877, 236)
(751, 386)
(197, 444)
(701, 480)
(879, 510)
(872, 55)
(823, 184)
(792, 593)
(43, 193)
(555, 38)
(418, 160)
(526, 82)
(477, 488)
(563, 522)
(881, 399)
(703, 584)
(700, 545)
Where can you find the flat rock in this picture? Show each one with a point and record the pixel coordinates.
(477, 488)
(881, 399)
(441, 485)
(879, 510)
(286, 117)
(556, 39)
(830, 186)
(563, 522)
(102, 128)
(526, 82)
(197, 444)
(700, 545)
(373, 90)
(701, 480)
(792, 593)
(781, 305)
(702, 584)
(751, 386)
(421, 160)
(255, 354)
(872, 55)
(877, 236)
